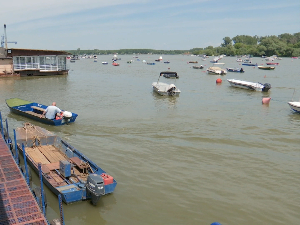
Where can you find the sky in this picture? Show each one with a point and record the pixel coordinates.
(142, 24)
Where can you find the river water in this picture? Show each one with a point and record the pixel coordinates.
(215, 153)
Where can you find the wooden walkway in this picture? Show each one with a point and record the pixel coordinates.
(17, 203)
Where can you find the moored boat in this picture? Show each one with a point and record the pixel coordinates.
(295, 106)
(165, 89)
(198, 67)
(169, 74)
(216, 71)
(266, 67)
(249, 64)
(237, 70)
(272, 63)
(34, 111)
(249, 85)
(65, 170)
(115, 64)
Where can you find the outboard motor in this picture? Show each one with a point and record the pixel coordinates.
(67, 115)
(171, 91)
(95, 187)
(266, 87)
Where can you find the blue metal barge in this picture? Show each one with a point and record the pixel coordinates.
(17, 203)
(65, 170)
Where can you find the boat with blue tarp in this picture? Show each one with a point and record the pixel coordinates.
(65, 169)
(35, 110)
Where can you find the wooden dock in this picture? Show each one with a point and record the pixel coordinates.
(17, 203)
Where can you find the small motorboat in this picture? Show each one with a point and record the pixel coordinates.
(216, 71)
(249, 85)
(272, 63)
(249, 64)
(193, 61)
(167, 62)
(237, 70)
(104, 63)
(150, 63)
(115, 64)
(34, 111)
(198, 67)
(169, 74)
(165, 89)
(295, 106)
(266, 67)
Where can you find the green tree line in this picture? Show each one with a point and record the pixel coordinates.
(284, 45)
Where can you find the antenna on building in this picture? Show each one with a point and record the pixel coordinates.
(4, 39)
(5, 36)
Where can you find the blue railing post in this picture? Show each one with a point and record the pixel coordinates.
(25, 164)
(62, 220)
(42, 188)
(7, 129)
(16, 148)
(1, 125)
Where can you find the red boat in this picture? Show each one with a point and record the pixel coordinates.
(116, 64)
(272, 63)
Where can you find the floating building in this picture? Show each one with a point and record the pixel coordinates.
(31, 62)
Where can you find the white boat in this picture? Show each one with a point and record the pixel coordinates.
(216, 71)
(165, 89)
(295, 106)
(249, 85)
(104, 63)
(239, 60)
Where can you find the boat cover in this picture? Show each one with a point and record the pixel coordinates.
(163, 87)
(16, 102)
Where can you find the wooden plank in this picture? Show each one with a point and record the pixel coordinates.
(52, 153)
(36, 155)
(32, 113)
(38, 108)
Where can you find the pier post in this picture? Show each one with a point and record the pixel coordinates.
(16, 148)
(42, 188)
(25, 164)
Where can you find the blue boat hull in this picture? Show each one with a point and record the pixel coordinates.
(70, 190)
(29, 112)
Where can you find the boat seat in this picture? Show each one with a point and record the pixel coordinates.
(38, 108)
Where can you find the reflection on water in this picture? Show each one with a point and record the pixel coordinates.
(161, 100)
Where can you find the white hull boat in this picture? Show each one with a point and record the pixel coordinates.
(249, 85)
(295, 106)
(216, 71)
(165, 89)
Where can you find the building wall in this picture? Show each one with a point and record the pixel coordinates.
(6, 66)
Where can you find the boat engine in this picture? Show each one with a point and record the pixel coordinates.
(171, 91)
(95, 187)
(266, 87)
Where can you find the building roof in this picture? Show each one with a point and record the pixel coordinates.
(33, 52)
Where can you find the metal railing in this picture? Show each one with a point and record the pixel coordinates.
(37, 66)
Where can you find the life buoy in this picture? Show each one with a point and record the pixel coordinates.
(59, 116)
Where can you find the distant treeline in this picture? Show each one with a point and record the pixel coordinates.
(284, 45)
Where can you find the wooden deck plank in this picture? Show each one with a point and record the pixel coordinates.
(38, 108)
(36, 155)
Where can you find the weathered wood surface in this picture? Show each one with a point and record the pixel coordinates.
(38, 108)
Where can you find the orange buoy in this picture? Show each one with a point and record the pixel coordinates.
(219, 80)
(266, 100)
